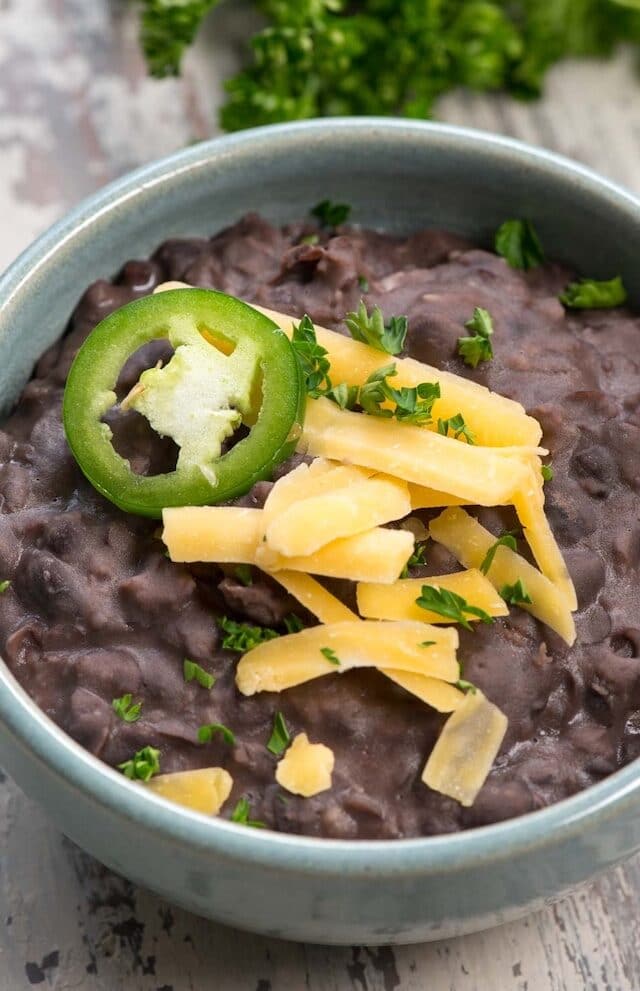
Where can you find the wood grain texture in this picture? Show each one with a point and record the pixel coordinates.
(76, 109)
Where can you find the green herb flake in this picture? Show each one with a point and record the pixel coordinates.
(207, 732)
(427, 643)
(312, 357)
(168, 28)
(371, 329)
(280, 736)
(450, 605)
(519, 245)
(244, 574)
(4, 585)
(458, 428)
(506, 540)
(331, 214)
(416, 560)
(363, 283)
(310, 239)
(143, 765)
(331, 655)
(126, 709)
(466, 686)
(242, 637)
(547, 472)
(411, 404)
(241, 815)
(478, 347)
(193, 672)
(515, 594)
(293, 623)
(589, 294)
(343, 395)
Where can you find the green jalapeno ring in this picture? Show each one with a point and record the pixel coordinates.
(185, 317)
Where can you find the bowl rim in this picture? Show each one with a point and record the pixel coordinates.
(36, 733)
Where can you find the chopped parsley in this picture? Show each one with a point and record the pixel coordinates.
(519, 245)
(416, 559)
(310, 239)
(427, 643)
(466, 686)
(244, 574)
(126, 709)
(589, 294)
(206, 733)
(331, 655)
(547, 472)
(293, 623)
(4, 585)
(412, 404)
(331, 214)
(478, 347)
(312, 357)
(241, 815)
(458, 428)
(280, 736)
(371, 329)
(343, 395)
(450, 605)
(506, 540)
(193, 672)
(515, 594)
(143, 765)
(242, 637)
(363, 283)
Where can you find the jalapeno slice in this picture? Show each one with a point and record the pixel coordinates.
(231, 365)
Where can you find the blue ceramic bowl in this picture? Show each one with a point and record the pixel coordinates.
(399, 176)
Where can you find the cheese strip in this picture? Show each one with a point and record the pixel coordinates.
(460, 762)
(311, 523)
(529, 504)
(438, 694)
(469, 541)
(398, 601)
(306, 768)
(475, 474)
(205, 790)
(424, 498)
(314, 597)
(494, 419)
(307, 481)
(218, 534)
(294, 659)
(378, 553)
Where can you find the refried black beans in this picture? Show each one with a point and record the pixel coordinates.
(95, 609)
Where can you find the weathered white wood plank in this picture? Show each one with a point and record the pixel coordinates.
(76, 109)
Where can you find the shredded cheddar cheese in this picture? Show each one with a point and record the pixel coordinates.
(306, 768)
(205, 790)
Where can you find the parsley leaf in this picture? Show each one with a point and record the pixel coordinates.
(331, 214)
(241, 815)
(518, 243)
(280, 736)
(457, 426)
(479, 347)
(466, 686)
(331, 655)
(193, 672)
(126, 709)
(589, 294)
(168, 28)
(205, 733)
(293, 623)
(450, 605)
(515, 594)
(143, 765)
(242, 637)
(4, 585)
(343, 395)
(363, 282)
(547, 472)
(412, 405)
(244, 574)
(309, 239)
(312, 357)
(506, 540)
(416, 559)
(372, 330)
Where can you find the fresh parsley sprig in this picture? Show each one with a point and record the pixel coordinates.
(193, 672)
(331, 214)
(506, 540)
(416, 560)
(241, 815)
(466, 686)
(456, 424)
(371, 329)
(519, 244)
(478, 347)
(515, 594)
(243, 637)
(280, 737)
(589, 294)
(244, 574)
(142, 766)
(293, 623)
(450, 605)
(330, 655)
(208, 731)
(126, 709)
(312, 357)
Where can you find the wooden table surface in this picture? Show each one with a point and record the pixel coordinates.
(76, 109)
